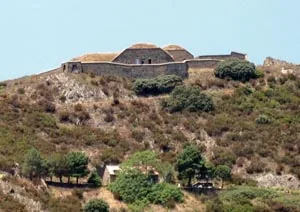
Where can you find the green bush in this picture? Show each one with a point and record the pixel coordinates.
(94, 179)
(237, 70)
(263, 119)
(131, 185)
(188, 98)
(156, 86)
(96, 205)
(164, 193)
(138, 188)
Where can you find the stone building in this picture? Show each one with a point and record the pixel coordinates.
(110, 173)
(145, 60)
(143, 54)
(178, 53)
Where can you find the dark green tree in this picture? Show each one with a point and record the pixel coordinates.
(188, 98)
(96, 205)
(223, 172)
(131, 185)
(236, 69)
(94, 179)
(34, 165)
(59, 166)
(144, 158)
(155, 86)
(77, 163)
(189, 163)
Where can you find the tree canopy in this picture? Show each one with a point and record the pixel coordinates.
(189, 163)
(77, 164)
(95, 179)
(131, 185)
(188, 98)
(223, 172)
(144, 158)
(236, 69)
(156, 86)
(34, 165)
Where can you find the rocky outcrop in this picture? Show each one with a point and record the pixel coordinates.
(19, 194)
(283, 66)
(273, 180)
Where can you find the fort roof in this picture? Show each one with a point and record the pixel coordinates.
(143, 46)
(96, 57)
(112, 169)
(173, 47)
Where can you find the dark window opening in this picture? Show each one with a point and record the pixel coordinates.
(143, 61)
(74, 68)
(64, 67)
(149, 61)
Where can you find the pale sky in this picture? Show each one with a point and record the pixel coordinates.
(38, 35)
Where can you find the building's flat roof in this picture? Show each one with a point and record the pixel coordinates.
(112, 168)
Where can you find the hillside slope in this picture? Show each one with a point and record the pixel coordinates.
(59, 112)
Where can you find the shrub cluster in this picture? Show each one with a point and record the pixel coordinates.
(237, 70)
(96, 205)
(132, 186)
(156, 86)
(164, 194)
(188, 98)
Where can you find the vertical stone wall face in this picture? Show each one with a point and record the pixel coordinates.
(239, 55)
(203, 63)
(105, 178)
(156, 55)
(224, 57)
(136, 71)
(74, 67)
(180, 54)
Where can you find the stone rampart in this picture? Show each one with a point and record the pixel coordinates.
(128, 70)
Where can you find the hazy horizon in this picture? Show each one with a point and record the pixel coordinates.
(39, 35)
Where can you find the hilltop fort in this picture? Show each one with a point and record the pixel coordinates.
(145, 60)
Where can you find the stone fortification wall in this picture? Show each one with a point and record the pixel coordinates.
(126, 70)
(161, 64)
(224, 57)
(202, 63)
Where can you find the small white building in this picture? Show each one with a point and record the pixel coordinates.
(110, 173)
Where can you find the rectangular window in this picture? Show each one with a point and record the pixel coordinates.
(149, 61)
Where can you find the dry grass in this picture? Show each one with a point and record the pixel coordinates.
(173, 47)
(96, 57)
(143, 46)
(190, 204)
(204, 78)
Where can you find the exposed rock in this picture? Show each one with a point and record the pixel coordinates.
(73, 90)
(284, 66)
(18, 194)
(273, 180)
(209, 143)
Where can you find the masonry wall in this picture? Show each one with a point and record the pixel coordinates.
(156, 55)
(202, 63)
(224, 57)
(131, 71)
